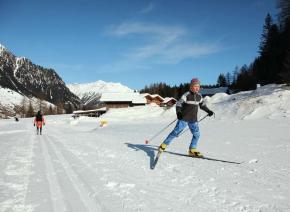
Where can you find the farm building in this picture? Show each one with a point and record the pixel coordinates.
(90, 113)
(155, 98)
(168, 102)
(121, 100)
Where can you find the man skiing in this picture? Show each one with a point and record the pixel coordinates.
(186, 110)
(39, 121)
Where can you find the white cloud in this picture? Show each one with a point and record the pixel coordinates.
(180, 52)
(127, 28)
(167, 43)
(148, 8)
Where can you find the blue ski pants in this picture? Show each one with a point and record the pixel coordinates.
(180, 125)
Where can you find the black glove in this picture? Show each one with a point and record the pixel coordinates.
(179, 115)
(210, 113)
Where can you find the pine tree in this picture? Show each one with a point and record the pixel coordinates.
(23, 107)
(221, 81)
(235, 75)
(50, 110)
(284, 15)
(264, 45)
(30, 111)
(268, 64)
(284, 20)
(68, 108)
(285, 75)
(245, 80)
(60, 108)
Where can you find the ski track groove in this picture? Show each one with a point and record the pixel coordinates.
(88, 202)
(83, 168)
(27, 177)
(58, 201)
(23, 156)
(86, 164)
(122, 170)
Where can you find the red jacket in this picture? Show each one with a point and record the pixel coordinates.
(39, 123)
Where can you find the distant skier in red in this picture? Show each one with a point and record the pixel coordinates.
(39, 121)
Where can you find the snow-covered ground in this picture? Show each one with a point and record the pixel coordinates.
(76, 165)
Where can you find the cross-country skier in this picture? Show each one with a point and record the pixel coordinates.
(186, 110)
(39, 121)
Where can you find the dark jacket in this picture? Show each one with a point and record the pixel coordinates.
(188, 106)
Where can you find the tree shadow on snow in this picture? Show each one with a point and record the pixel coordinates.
(148, 149)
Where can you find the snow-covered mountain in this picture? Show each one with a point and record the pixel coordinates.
(90, 93)
(26, 78)
(15, 104)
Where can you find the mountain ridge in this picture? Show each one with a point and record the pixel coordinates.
(20, 74)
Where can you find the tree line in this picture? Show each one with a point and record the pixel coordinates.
(28, 108)
(273, 63)
(165, 90)
(271, 66)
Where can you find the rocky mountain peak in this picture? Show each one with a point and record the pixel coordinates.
(25, 77)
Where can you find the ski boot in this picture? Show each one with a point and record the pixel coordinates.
(194, 153)
(162, 147)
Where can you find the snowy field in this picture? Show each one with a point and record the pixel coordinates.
(76, 165)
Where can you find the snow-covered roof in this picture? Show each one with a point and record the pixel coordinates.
(145, 94)
(153, 96)
(157, 96)
(89, 111)
(135, 98)
(212, 91)
(168, 99)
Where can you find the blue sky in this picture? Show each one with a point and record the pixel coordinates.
(135, 42)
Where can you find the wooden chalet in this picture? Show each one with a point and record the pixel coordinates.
(168, 102)
(90, 113)
(155, 98)
(122, 100)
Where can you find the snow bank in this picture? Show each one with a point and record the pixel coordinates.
(270, 101)
(151, 111)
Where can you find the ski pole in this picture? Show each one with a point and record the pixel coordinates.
(203, 118)
(147, 141)
(197, 121)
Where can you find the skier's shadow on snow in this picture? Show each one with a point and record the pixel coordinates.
(149, 150)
